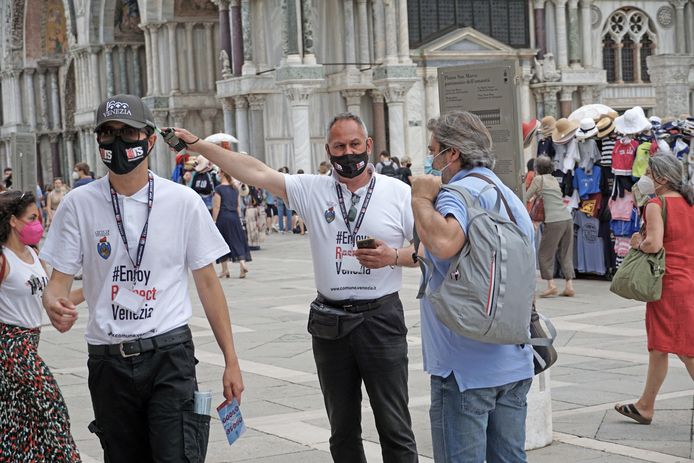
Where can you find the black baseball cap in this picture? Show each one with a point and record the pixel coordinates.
(128, 109)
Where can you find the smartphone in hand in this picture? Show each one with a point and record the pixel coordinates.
(366, 243)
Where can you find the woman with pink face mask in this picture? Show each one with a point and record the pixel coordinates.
(34, 421)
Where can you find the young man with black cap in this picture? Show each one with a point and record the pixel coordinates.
(136, 236)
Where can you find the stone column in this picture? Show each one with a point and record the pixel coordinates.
(228, 112)
(256, 103)
(55, 100)
(307, 32)
(55, 155)
(148, 60)
(290, 31)
(122, 71)
(561, 35)
(540, 39)
(108, 55)
(160, 158)
(248, 64)
(526, 74)
(298, 101)
(403, 33)
(178, 118)
(190, 65)
(17, 95)
(236, 37)
(137, 75)
(681, 41)
(348, 37)
(207, 116)
(669, 74)
(379, 31)
(573, 35)
(391, 33)
(395, 96)
(353, 99)
(586, 35)
(431, 95)
(379, 128)
(173, 59)
(43, 101)
(211, 70)
(154, 55)
(362, 17)
(550, 99)
(224, 27)
(566, 98)
(637, 63)
(30, 97)
(242, 123)
(94, 79)
(618, 59)
(69, 138)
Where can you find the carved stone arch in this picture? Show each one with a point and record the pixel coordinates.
(70, 21)
(155, 11)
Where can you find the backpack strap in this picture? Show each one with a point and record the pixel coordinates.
(498, 191)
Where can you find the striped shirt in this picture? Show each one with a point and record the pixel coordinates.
(606, 152)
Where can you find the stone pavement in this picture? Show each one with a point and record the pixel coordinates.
(602, 361)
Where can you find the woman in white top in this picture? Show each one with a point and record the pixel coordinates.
(34, 422)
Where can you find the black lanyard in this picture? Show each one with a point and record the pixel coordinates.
(121, 228)
(364, 205)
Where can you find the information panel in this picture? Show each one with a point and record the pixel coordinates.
(491, 91)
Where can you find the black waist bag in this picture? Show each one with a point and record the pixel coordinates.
(543, 356)
(330, 323)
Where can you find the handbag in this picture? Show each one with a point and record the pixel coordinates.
(537, 207)
(640, 276)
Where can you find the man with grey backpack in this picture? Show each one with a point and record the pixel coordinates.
(477, 296)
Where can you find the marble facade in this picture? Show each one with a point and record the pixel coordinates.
(288, 66)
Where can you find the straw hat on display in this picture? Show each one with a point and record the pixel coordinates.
(605, 126)
(564, 131)
(529, 130)
(202, 164)
(587, 129)
(633, 121)
(547, 125)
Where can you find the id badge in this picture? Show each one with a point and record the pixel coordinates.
(129, 300)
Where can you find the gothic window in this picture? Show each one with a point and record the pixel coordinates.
(627, 39)
(505, 20)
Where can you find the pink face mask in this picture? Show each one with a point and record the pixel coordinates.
(31, 234)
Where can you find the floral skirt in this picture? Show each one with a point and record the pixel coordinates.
(34, 422)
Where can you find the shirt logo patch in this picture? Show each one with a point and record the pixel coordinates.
(103, 247)
(106, 155)
(329, 215)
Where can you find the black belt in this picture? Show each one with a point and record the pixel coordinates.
(136, 347)
(356, 306)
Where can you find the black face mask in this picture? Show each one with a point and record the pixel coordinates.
(122, 157)
(350, 165)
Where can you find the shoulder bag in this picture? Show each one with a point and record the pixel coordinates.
(640, 276)
(537, 207)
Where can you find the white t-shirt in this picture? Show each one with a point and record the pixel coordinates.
(181, 236)
(20, 293)
(388, 218)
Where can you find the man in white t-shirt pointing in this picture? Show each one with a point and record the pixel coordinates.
(136, 236)
(357, 319)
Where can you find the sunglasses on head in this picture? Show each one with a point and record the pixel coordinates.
(127, 134)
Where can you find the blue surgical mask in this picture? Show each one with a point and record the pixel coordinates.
(429, 162)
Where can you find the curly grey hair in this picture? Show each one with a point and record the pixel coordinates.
(466, 133)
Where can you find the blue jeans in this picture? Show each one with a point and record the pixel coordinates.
(467, 427)
(282, 211)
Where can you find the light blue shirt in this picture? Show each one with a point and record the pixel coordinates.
(475, 364)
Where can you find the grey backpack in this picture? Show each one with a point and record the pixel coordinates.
(488, 291)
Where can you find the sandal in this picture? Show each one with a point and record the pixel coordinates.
(568, 293)
(549, 292)
(630, 411)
